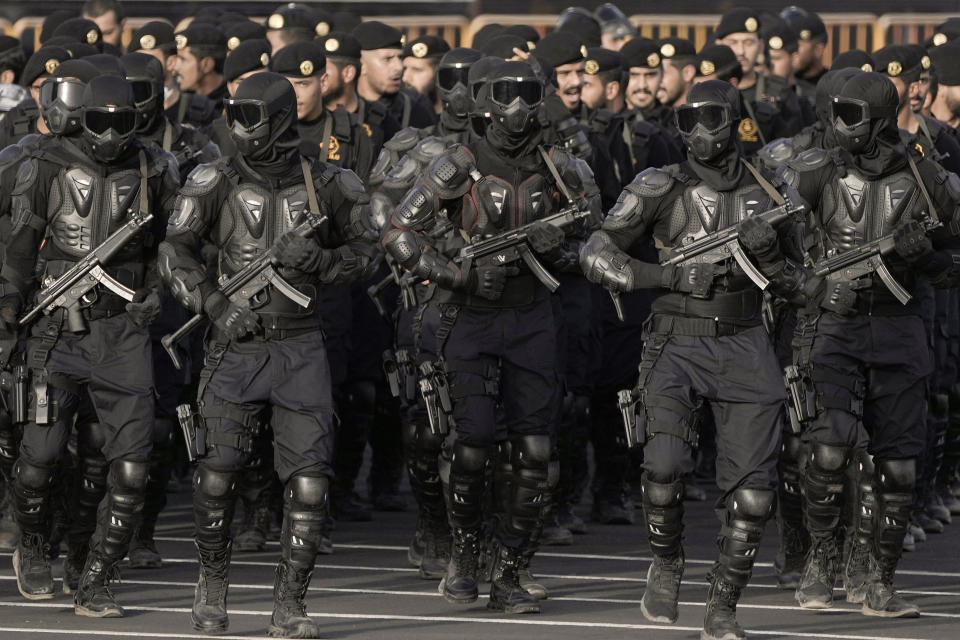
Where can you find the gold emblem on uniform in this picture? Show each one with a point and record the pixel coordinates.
(919, 148)
(334, 152)
(668, 50)
(275, 21)
(591, 67)
(92, 36)
(866, 66)
(805, 34)
(894, 68)
(403, 40)
(776, 43)
(531, 45)
(750, 24)
(939, 39)
(707, 67)
(925, 62)
(748, 130)
(51, 65)
(653, 60)
(264, 58)
(367, 128)
(323, 28)
(306, 68)
(148, 42)
(420, 49)
(181, 41)
(233, 43)
(331, 45)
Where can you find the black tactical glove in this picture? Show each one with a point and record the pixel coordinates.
(489, 282)
(296, 252)
(840, 296)
(695, 279)
(144, 308)
(544, 237)
(235, 322)
(760, 239)
(911, 242)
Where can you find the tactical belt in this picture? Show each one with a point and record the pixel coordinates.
(704, 327)
(742, 307)
(519, 291)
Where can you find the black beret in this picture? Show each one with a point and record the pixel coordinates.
(778, 35)
(232, 16)
(600, 60)
(674, 47)
(718, 59)
(74, 48)
(854, 59)
(486, 33)
(11, 51)
(502, 46)
(345, 21)
(340, 44)
(530, 35)
(81, 30)
(200, 35)
(581, 23)
(52, 21)
(919, 51)
(302, 59)
(299, 16)
(806, 24)
(558, 48)
(82, 70)
(738, 20)
(43, 62)
(374, 35)
(426, 46)
(153, 35)
(249, 55)
(237, 32)
(944, 59)
(641, 52)
(946, 31)
(894, 60)
(207, 15)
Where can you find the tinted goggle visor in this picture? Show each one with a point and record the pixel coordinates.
(68, 90)
(99, 120)
(710, 116)
(450, 77)
(249, 114)
(506, 92)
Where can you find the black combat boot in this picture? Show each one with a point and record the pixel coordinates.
(436, 550)
(815, 590)
(459, 586)
(30, 564)
(720, 621)
(659, 602)
(506, 594)
(290, 618)
(73, 564)
(879, 597)
(93, 598)
(209, 613)
(663, 509)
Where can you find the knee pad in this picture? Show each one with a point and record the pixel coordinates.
(31, 476)
(531, 452)
(792, 449)
(661, 495)
(467, 459)
(829, 458)
(129, 475)
(307, 491)
(751, 503)
(896, 476)
(214, 484)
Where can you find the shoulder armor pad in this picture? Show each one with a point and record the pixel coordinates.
(403, 140)
(777, 152)
(429, 148)
(416, 208)
(202, 179)
(351, 185)
(449, 175)
(11, 154)
(26, 175)
(811, 159)
(652, 182)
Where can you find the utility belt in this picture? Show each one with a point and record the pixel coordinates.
(702, 327)
(877, 301)
(519, 291)
(740, 307)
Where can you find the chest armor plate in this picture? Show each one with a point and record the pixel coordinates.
(856, 210)
(495, 205)
(85, 208)
(702, 210)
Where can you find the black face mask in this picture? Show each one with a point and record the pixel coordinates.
(513, 95)
(864, 117)
(710, 118)
(109, 119)
(261, 117)
(829, 86)
(61, 100)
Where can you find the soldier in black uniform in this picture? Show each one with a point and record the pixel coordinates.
(198, 66)
(250, 57)
(502, 345)
(862, 352)
(808, 67)
(420, 58)
(705, 344)
(381, 75)
(96, 183)
(294, 22)
(679, 59)
(245, 205)
(156, 38)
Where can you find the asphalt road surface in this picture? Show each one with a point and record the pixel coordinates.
(366, 589)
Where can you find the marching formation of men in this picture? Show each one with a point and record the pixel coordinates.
(239, 253)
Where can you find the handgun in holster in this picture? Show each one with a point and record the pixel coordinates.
(194, 431)
(801, 401)
(392, 372)
(407, 372)
(20, 394)
(634, 421)
(436, 397)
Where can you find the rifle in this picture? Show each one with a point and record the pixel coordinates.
(867, 259)
(244, 285)
(512, 246)
(724, 244)
(71, 287)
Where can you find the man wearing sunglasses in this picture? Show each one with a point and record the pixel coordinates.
(260, 200)
(861, 351)
(74, 195)
(705, 343)
(502, 343)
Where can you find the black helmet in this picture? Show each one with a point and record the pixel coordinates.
(708, 121)
(865, 106)
(453, 84)
(145, 75)
(513, 95)
(109, 117)
(61, 96)
(263, 109)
